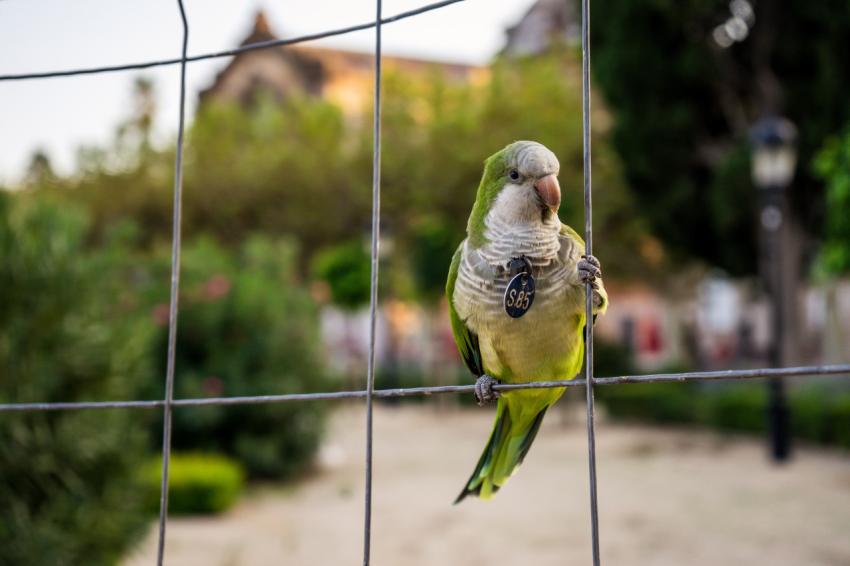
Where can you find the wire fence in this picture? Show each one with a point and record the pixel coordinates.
(168, 403)
(588, 288)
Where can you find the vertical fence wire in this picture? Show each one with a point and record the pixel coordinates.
(588, 243)
(173, 306)
(373, 300)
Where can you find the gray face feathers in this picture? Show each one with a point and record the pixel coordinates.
(530, 192)
(531, 159)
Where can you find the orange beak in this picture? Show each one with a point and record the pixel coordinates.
(549, 191)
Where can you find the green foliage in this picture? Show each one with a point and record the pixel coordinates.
(433, 244)
(822, 416)
(67, 490)
(817, 415)
(276, 168)
(683, 108)
(737, 408)
(346, 269)
(198, 484)
(437, 135)
(81, 323)
(246, 328)
(611, 359)
(665, 403)
(832, 165)
(300, 168)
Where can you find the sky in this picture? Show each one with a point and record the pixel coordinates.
(61, 114)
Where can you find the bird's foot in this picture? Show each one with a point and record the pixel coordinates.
(589, 271)
(484, 390)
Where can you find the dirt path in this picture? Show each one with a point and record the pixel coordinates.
(667, 498)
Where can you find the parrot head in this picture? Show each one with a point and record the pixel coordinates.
(520, 184)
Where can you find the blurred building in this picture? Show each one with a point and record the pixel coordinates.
(547, 22)
(341, 76)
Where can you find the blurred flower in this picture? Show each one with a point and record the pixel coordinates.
(320, 291)
(160, 314)
(213, 386)
(217, 287)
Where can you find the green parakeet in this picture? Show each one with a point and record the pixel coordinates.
(514, 236)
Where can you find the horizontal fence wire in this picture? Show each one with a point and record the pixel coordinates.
(842, 370)
(230, 52)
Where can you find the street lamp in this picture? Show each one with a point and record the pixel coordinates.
(774, 159)
(774, 153)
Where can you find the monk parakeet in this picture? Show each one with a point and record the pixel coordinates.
(516, 293)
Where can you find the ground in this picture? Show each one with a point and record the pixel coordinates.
(666, 498)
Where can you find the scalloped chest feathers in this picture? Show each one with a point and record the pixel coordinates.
(542, 343)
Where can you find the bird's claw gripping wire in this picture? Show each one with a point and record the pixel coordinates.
(484, 390)
(589, 270)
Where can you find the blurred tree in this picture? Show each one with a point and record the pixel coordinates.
(684, 106)
(67, 485)
(40, 170)
(133, 136)
(276, 168)
(437, 135)
(299, 167)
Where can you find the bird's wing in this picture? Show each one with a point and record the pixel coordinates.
(466, 340)
(567, 232)
(572, 248)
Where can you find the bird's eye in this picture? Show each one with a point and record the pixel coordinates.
(513, 174)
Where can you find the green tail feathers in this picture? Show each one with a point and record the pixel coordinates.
(509, 443)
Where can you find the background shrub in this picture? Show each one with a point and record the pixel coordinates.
(818, 415)
(246, 328)
(197, 483)
(346, 269)
(67, 488)
(655, 402)
(735, 407)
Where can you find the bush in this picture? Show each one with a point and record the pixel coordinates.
(197, 483)
(611, 359)
(817, 415)
(67, 491)
(822, 416)
(346, 269)
(839, 418)
(736, 408)
(656, 402)
(246, 328)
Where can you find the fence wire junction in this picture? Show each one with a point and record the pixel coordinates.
(168, 403)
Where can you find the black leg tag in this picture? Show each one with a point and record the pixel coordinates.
(519, 294)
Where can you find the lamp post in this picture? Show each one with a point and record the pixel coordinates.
(774, 158)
